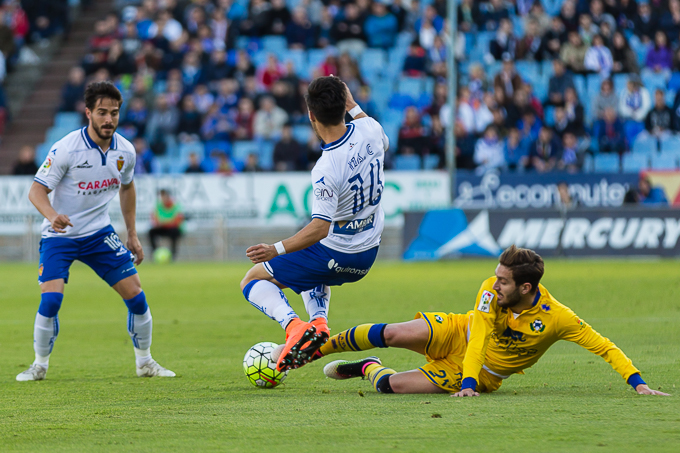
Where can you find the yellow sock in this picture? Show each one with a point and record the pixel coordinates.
(359, 338)
(377, 374)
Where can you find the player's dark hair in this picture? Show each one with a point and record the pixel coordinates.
(326, 98)
(526, 265)
(101, 90)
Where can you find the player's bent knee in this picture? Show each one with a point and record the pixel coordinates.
(407, 334)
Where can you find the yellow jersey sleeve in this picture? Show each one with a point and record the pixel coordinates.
(572, 328)
(483, 320)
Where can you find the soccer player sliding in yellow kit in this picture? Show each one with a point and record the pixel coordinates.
(514, 322)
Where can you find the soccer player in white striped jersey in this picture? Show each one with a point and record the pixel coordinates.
(341, 242)
(84, 171)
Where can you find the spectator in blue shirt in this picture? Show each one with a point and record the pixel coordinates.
(300, 32)
(515, 150)
(381, 27)
(650, 195)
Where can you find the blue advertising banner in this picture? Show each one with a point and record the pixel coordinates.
(539, 190)
(634, 231)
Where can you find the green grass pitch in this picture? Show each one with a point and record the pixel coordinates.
(570, 401)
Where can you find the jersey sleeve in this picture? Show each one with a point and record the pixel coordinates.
(53, 169)
(483, 320)
(574, 329)
(324, 190)
(128, 172)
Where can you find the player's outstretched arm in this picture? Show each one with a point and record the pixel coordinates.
(128, 206)
(316, 230)
(643, 389)
(38, 196)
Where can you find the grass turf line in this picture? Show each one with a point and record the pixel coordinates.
(570, 401)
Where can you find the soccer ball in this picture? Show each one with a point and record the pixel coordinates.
(162, 255)
(260, 368)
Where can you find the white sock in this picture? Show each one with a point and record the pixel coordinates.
(142, 356)
(140, 328)
(316, 301)
(45, 331)
(270, 300)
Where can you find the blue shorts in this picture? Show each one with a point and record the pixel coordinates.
(102, 251)
(319, 265)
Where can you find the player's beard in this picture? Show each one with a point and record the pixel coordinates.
(510, 300)
(98, 130)
(316, 131)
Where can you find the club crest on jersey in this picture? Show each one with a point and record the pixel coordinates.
(120, 162)
(485, 301)
(537, 326)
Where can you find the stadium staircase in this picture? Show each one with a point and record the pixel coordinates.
(36, 114)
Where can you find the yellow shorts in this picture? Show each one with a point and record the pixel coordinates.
(445, 352)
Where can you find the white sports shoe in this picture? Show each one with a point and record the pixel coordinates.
(152, 368)
(34, 373)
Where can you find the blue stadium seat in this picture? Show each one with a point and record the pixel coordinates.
(580, 85)
(404, 39)
(631, 129)
(241, 149)
(274, 44)
(315, 57)
(674, 82)
(392, 132)
(424, 101)
(653, 81)
(395, 63)
(430, 162)
(55, 134)
(606, 163)
(633, 163)
(400, 101)
(482, 45)
(620, 83)
(671, 143)
(298, 57)
(192, 147)
(392, 116)
(550, 116)
(528, 70)
(593, 83)
(41, 152)
(410, 162)
(301, 133)
(68, 120)
(665, 161)
(217, 146)
(413, 87)
(588, 163)
(429, 84)
(645, 144)
(266, 148)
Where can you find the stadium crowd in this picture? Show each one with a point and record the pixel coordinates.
(218, 85)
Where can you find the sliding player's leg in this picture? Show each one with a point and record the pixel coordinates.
(413, 335)
(263, 291)
(383, 379)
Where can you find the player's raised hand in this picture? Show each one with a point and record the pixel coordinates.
(643, 389)
(60, 222)
(135, 247)
(464, 393)
(261, 253)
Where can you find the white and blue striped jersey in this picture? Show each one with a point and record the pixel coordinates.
(348, 181)
(84, 180)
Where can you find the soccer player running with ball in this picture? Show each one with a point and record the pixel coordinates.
(514, 322)
(84, 171)
(341, 242)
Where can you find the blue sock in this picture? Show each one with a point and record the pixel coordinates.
(137, 305)
(50, 303)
